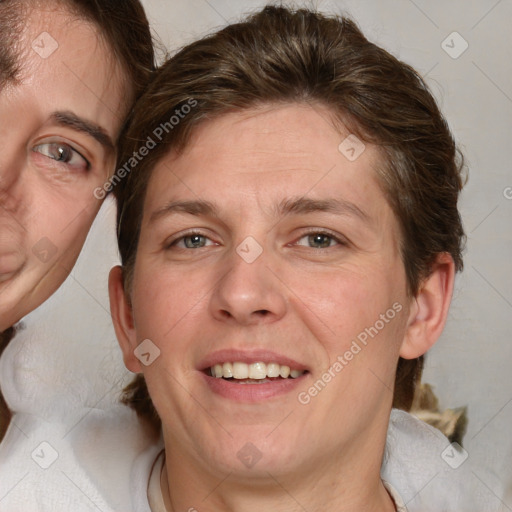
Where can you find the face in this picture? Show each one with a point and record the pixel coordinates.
(58, 128)
(270, 297)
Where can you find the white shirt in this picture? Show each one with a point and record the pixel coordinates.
(414, 471)
(156, 499)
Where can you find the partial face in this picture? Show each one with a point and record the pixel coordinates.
(58, 127)
(268, 276)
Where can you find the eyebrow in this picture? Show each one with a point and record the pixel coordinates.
(71, 120)
(292, 206)
(338, 206)
(197, 208)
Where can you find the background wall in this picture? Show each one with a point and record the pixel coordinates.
(471, 364)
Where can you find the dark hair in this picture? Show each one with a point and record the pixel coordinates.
(124, 28)
(10, 26)
(281, 56)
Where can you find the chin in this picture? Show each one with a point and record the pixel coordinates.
(255, 452)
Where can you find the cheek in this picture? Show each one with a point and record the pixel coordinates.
(344, 302)
(168, 303)
(359, 321)
(61, 226)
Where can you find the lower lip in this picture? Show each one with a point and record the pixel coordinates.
(252, 392)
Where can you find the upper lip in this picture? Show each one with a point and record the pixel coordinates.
(249, 357)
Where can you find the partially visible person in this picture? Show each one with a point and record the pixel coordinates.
(292, 234)
(70, 71)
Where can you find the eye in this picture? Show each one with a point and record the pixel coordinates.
(63, 153)
(192, 241)
(318, 240)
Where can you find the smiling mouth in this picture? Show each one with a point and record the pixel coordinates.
(254, 373)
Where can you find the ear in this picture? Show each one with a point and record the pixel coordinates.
(122, 317)
(429, 309)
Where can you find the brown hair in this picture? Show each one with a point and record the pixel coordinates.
(10, 26)
(124, 28)
(281, 56)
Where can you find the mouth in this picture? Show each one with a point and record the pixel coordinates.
(254, 373)
(252, 376)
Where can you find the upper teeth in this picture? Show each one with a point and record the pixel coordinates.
(257, 370)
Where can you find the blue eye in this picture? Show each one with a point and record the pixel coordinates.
(318, 240)
(63, 153)
(193, 241)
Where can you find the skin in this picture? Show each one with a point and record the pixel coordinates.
(300, 301)
(50, 167)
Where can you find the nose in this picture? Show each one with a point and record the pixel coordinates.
(248, 293)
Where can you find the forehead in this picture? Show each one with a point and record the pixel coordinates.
(249, 164)
(65, 63)
(46, 28)
(270, 151)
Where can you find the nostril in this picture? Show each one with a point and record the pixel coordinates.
(260, 313)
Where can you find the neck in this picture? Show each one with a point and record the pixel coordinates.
(355, 485)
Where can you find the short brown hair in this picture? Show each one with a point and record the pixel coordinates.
(281, 56)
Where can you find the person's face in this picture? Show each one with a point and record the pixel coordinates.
(58, 128)
(263, 242)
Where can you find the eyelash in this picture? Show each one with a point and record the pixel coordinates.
(61, 145)
(322, 232)
(339, 241)
(174, 242)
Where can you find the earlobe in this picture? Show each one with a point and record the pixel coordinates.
(122, 317)
(429, 309)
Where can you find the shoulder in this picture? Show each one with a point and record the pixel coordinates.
(427, 471)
